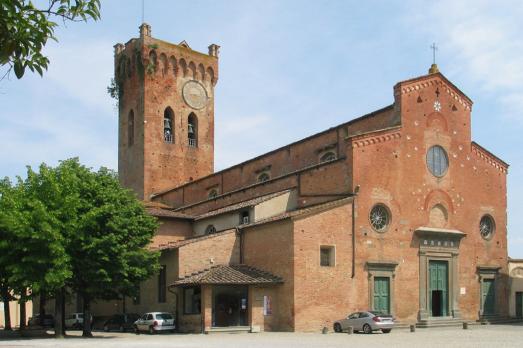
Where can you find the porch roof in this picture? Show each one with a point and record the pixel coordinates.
(229, 275)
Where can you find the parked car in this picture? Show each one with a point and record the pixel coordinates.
(121, 322)
(75, 321)
(366, 322)
(154, 322)
(46, 321)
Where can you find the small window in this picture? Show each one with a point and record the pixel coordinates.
(263, 177)
(379, 218)
(149, 317)
(327, 157)
(192, 299)
(210, 229)
(487, 227)
(327, 256)
(437, 161)
(244, 217)
(213, 193)
(130, 128)
(168, 129)
(162, 284)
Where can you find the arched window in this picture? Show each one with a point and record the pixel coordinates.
(168, 128)
(210, 229)
(213, 193)
(192, 130)
(327, 157)
(264, 177)
(130, 128)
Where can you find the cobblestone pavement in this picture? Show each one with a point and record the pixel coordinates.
(476, 336)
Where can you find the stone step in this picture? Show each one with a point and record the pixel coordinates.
(494, 319)
(440, 323)
(228, 329)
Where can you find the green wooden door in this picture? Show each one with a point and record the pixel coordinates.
(519, 304)
(438, 291)
(382, 294)
(488, 294)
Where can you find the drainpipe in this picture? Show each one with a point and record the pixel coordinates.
(355, 195)
(240, 235)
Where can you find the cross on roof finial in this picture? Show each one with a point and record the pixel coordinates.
(433, 68)
(434, 49)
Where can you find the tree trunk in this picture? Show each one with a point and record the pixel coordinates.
(87, 318)
(58, 319)
(22, 313)
(63, 312)
(42, 305)
(7, 313)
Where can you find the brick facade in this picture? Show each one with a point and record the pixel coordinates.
(377, 159)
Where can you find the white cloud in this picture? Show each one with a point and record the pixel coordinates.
(482, 41)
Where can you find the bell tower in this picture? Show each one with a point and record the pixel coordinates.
(166, 113)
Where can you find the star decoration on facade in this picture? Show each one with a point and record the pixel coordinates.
(437, 106)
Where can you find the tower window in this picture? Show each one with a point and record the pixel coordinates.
(168, 129)
(192, 130)
(130, 128)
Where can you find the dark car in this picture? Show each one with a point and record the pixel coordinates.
(121, 322)
(46, 321)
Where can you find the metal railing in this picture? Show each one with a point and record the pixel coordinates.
(168, 137)
(192, 142)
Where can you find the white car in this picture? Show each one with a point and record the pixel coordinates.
(154, 322)
(75, 321)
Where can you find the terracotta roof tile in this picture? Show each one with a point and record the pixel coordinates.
(229, 274)
(166, 213)
(180, 243)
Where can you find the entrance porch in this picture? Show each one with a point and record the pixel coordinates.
(226, 298)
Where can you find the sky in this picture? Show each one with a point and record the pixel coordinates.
(288, 69)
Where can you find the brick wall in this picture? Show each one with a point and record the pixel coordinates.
(269, 247)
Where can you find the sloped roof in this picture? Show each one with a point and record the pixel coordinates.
(180, 243)
(240, 205)
(166, 213)
(229, 274)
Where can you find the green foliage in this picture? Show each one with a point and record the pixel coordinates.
(25, 30)
(150, 68)
(115, 90)
(71, 226)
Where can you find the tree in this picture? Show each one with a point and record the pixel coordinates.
(108, 250)
(5, 207)
(25, 30)
(32, 246)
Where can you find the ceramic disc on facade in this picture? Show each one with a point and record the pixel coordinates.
(195, 95)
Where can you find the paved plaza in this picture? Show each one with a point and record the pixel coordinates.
(476, 336)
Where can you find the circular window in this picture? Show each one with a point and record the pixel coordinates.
(437, 161)
(486, 226)
(379, 217)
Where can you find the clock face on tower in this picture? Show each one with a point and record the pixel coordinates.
(194, 95)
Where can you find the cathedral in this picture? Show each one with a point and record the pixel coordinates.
(396, 211)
